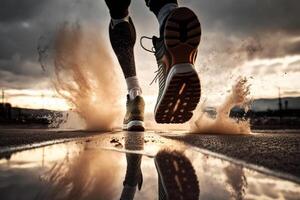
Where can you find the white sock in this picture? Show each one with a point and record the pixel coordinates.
(133, 87)
(164, 12)
(114, 22)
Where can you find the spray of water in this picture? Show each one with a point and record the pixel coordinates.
(223, 124)
(84, 74)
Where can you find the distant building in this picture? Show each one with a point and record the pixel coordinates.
(286, 104)
(5, 111)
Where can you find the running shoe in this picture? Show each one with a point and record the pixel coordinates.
(134, 118)
(134, 177)
(177, 177)
(175, 52)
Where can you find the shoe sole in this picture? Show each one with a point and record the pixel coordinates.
(134, 125)
(182, 35)
(177, 175)
(182, 89)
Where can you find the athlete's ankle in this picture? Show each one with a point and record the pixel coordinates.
(133, 87)
(115, 22)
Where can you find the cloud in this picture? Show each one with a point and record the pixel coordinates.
(19, 10)
(22, 23)
(233, 33)
(293, 67)
(270, 23)
(250, 16)
(10, 80)
(291, 93)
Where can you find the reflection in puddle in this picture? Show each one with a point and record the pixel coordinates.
(236, 180)
(124, 166)
(133, 178)
(85, 176)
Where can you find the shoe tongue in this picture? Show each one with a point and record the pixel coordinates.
(134, 92)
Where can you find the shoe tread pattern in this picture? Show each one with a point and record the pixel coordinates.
(178, 176)
(180, 99)
(182, 37)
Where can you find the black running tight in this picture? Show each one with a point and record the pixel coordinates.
(119, 8)
(123, 36)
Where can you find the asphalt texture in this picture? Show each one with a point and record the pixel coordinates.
(16, 137)
(278, 152)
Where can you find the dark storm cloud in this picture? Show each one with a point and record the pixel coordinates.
(233, 30)
(19, 10)
(294, 48)
(249, 16)
(22, 22)
(13, 81)
(268, 22)
(18, 32)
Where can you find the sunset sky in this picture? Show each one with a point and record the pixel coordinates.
(258, 39)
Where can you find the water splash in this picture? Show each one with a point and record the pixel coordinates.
(223, 124)
(84, 75)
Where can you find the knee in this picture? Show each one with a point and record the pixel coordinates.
(118, 8)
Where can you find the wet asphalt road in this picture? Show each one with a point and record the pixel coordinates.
(97, 167)
(16, 137)
(279, 152)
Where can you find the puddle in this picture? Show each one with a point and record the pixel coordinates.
(101, 167)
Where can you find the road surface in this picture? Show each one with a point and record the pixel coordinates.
(279, 152)
(94, 165)
(275, 151)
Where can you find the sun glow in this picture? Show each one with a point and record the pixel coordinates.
(266, 76)
(36, 99)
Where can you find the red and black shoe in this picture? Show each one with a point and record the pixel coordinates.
(175, 52)
(177, 177)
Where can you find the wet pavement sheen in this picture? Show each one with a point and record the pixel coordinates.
(102, 167)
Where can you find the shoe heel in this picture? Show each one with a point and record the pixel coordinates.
(182, 35)
(135, 125)
(177, 177)
(180, 96)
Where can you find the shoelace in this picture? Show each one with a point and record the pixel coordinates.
(141, 43)
(159, 72)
